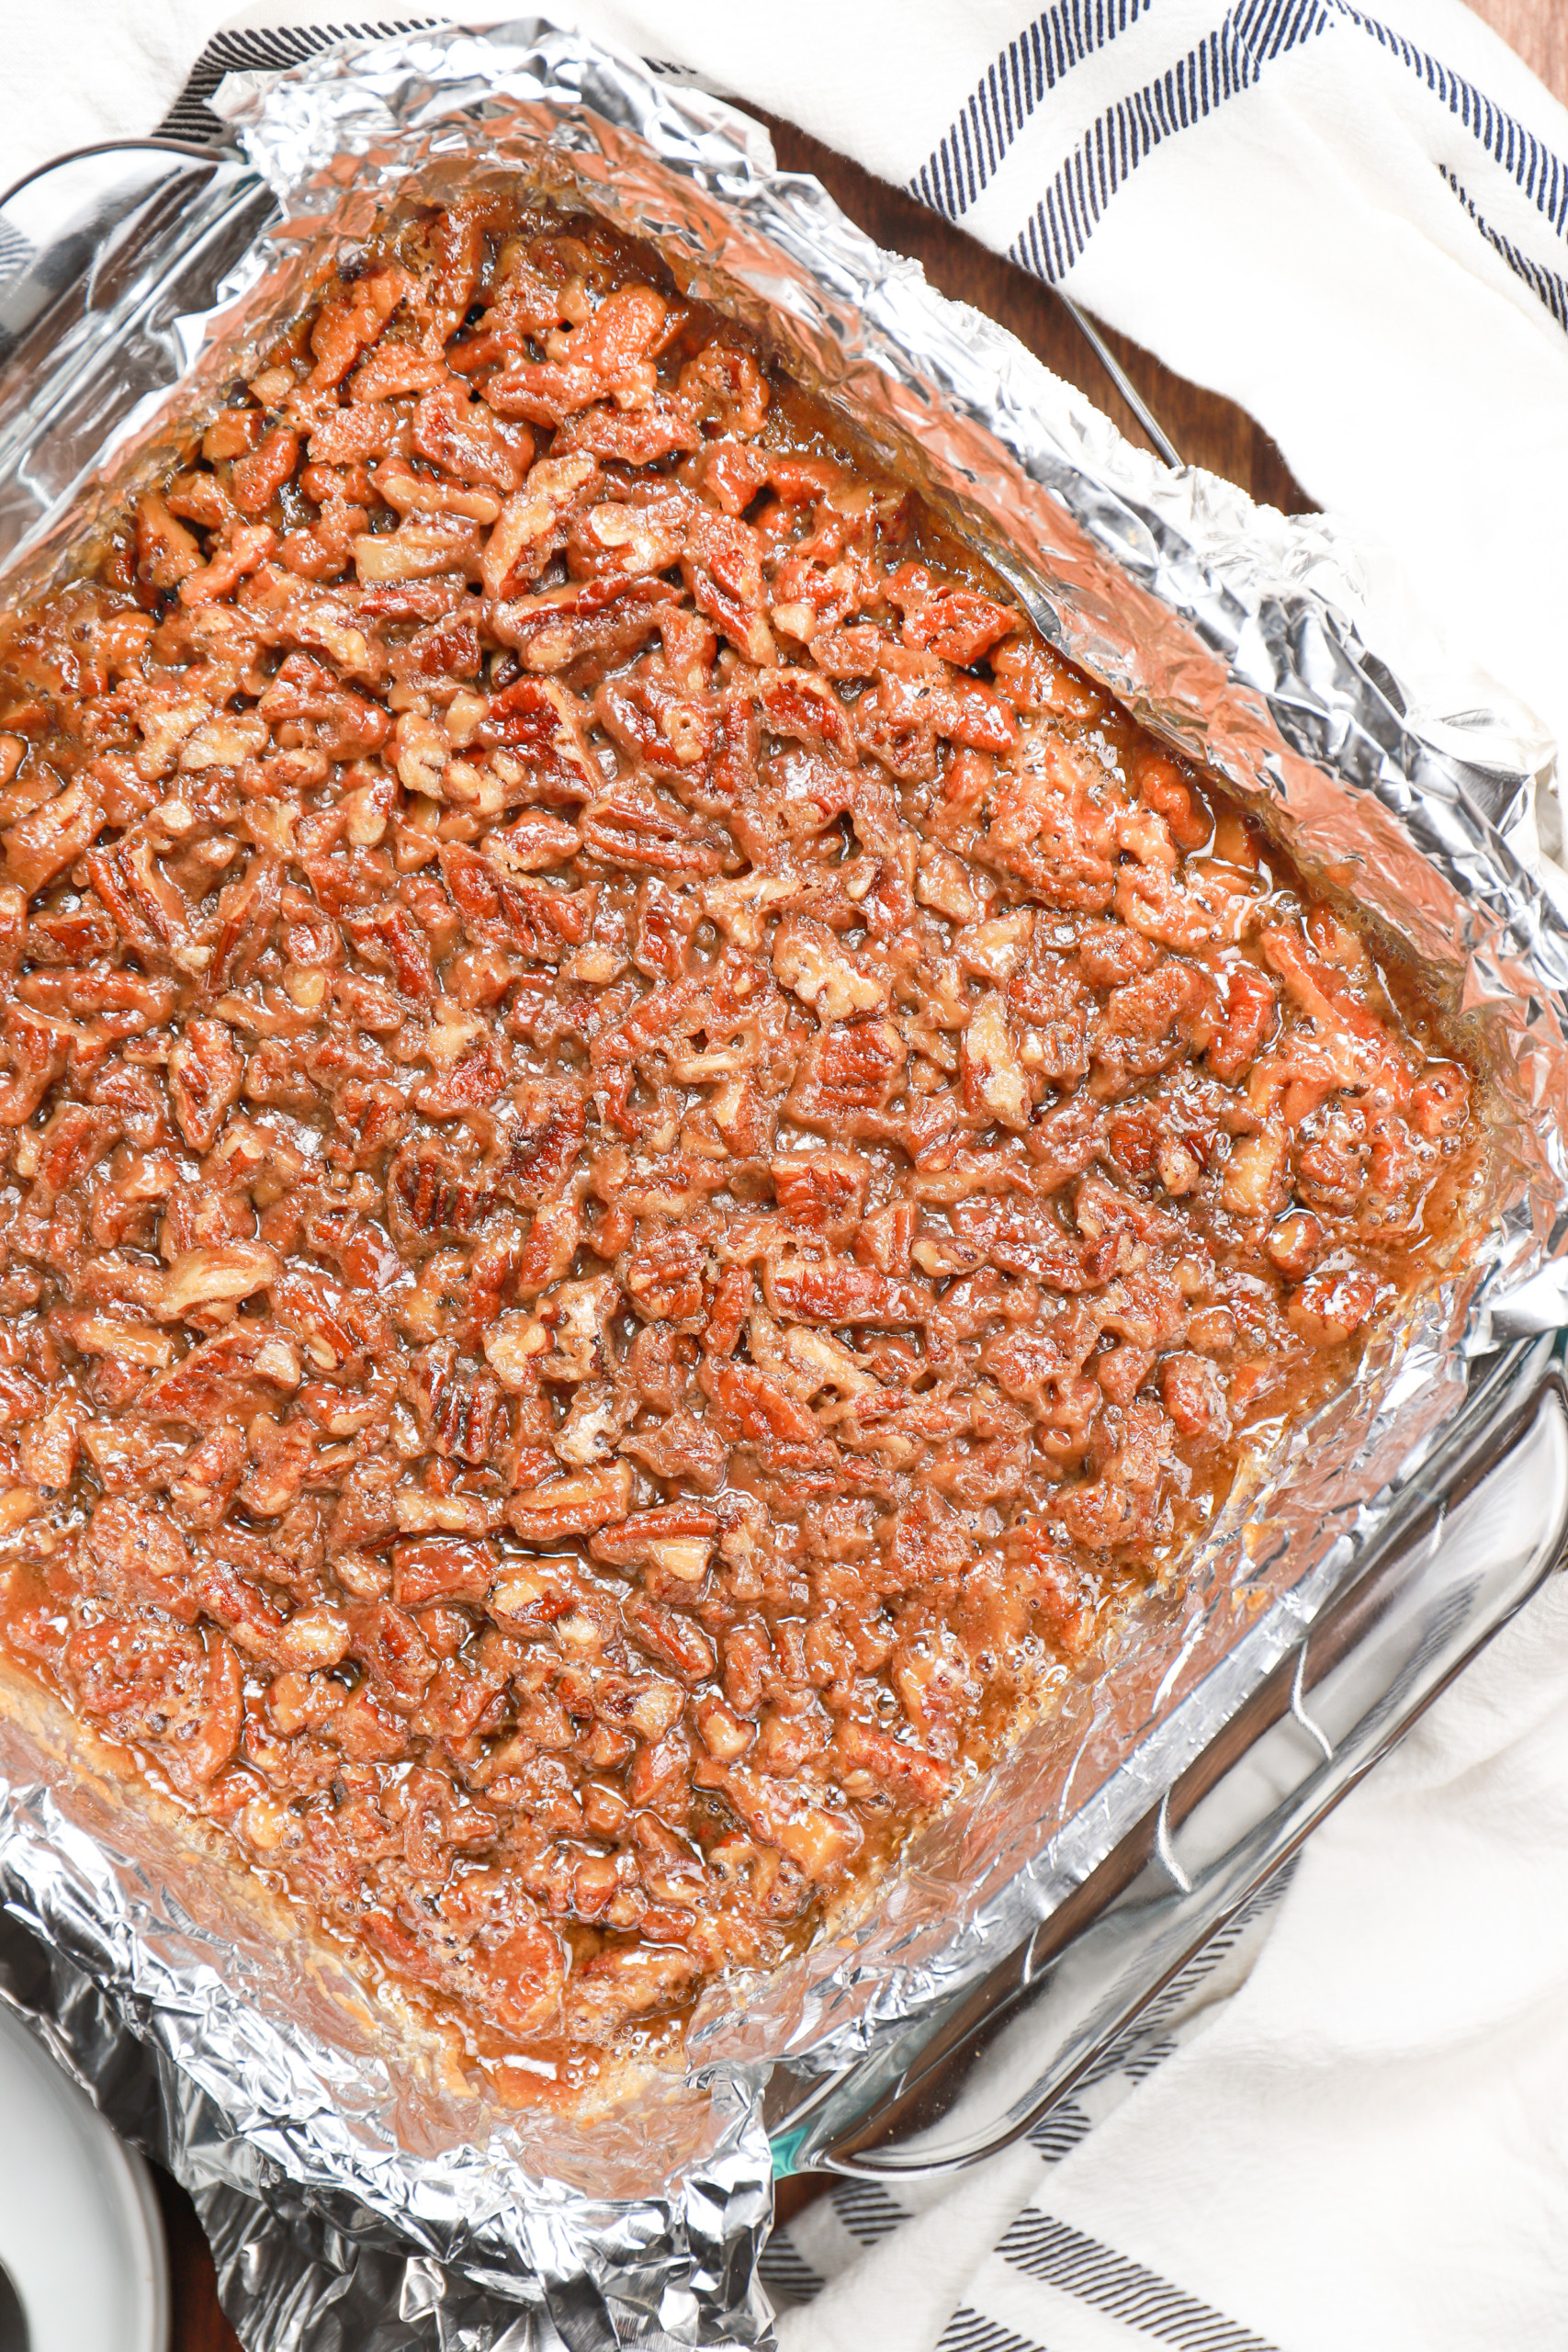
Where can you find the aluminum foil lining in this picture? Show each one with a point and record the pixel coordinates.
(1240, 636)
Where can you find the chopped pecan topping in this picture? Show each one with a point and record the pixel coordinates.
(652, 1163)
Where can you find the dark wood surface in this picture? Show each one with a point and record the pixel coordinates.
(1207, 430)
(195, 2321)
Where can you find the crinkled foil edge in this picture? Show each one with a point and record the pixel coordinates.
(1237, 634)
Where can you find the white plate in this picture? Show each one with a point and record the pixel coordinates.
(80, 2231)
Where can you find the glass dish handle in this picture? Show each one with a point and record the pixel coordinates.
(1487, 1524)
(105, 255)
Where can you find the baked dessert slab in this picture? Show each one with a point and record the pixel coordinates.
(655, 1163)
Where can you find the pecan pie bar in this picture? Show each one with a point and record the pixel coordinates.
(652, 1162)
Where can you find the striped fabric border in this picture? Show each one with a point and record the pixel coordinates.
(1538, 173)
(786, 2273)
(15, 251)
(190, 116)
(868, 2210)
(1545, 284)
(1229, 60)
(967, 158)
(1059, 2133)
(1123, 2291)
(969, 2331)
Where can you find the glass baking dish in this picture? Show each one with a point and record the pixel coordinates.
(1464, 1530)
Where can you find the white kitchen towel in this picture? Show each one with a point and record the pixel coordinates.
(1347, 2129)
(1362, 2149)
